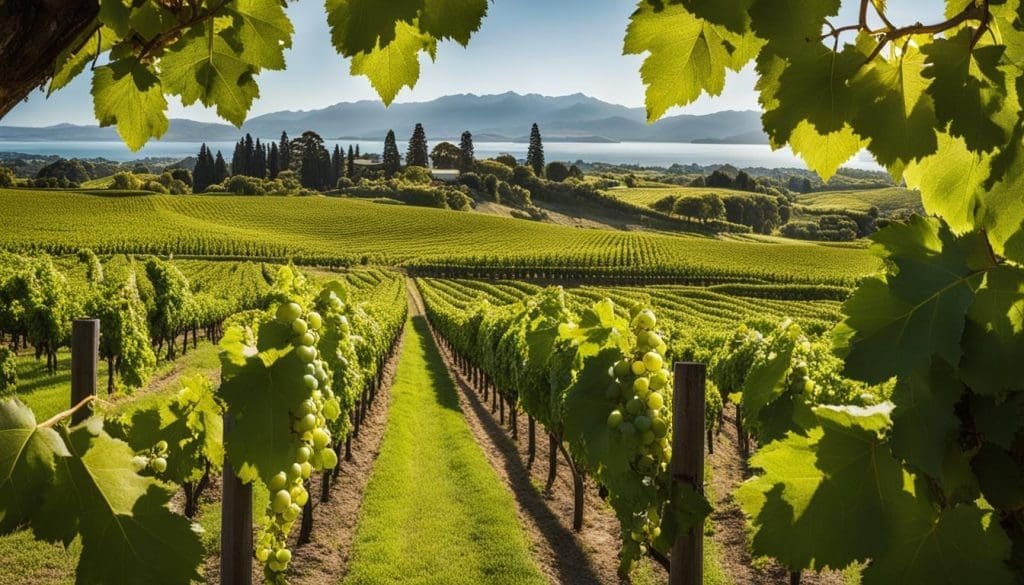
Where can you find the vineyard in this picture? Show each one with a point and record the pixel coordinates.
(353, 232)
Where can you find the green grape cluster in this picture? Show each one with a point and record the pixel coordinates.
(154, 460)
(312, 451)
(640, 384)
(798, 380)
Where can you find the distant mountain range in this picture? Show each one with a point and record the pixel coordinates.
(491, 118)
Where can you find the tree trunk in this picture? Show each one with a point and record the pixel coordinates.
(531, 441)
(32, 35)
(552, 461)
(110, 375)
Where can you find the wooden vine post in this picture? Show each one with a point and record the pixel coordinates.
(687, 558)
(235, 524)
(85, 356)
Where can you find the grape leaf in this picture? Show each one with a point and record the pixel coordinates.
(115, 14)
(968, 89)
(950, 182)
(924, 421)
(129, 535)
(1001, 477)
(27, 455)
(452, 19)
(961, 544)
(791, 25)
(396, 65)
(897, 115)
(69, 65)
(586, 412)
(363, 26)
(150, 18)
(840, 474)
(895, 325)
(260, 397)
(687, 56)
(999, 421)
(825, 153)
(994, 339)
(127, 93)
(731, 14)
(263, 30)
(205, 67)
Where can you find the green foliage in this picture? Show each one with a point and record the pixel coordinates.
(8, 372)
(79, 482)
(392, 160)
(446, 155)
(125, 181)
(416, 155)
(535, 152)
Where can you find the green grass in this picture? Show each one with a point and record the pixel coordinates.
(648, 195)
(434, 510)
(324, 229)
(886, 200)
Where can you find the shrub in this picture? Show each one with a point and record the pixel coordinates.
(665, 204)
(183, 175)
(514, 195)
(416, 175)
(492, 167)
(124, 181)
(523, 176)
(243, 185)
(507, 159)
(491, 186)
(471, 180)
(703, 207)
(154, 186)
(344, 183)
(8, 372)
(7, 177)
(557, 171)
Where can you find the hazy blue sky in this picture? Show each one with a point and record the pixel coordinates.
(553, 47)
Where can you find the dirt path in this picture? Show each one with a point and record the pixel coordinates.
(566, 557)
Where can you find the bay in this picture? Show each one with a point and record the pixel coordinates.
(661, 154)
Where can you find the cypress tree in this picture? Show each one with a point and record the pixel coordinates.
(220, 169)
(351, 163)
(201, 173)
(250, 157)
(418, 155)
(535, 154)
(392, 159)
(238, 159)
(273, 161)
(468, 158)
(324, 170)
(259, 163)
(284, 153)
(337, 166)
(357, 152)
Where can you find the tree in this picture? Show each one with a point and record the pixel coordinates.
(315, 167)
(507, 159)
(273, 161)
(337, 165)
(7, 178)
(220, 169)
(703, 207)
(392, 159)
(535, 153)
(719, 179)
(467, 155)
(352, 163)
(446, 155)
(259, 163)
(416, 156)
(238, 159)
(284, 151)
(203, 171)
(557, 171)
(744, 182)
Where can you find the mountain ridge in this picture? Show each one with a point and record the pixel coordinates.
(499, 117)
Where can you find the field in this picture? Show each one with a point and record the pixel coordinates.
(342, 231)
(885, 200)
(648, 195)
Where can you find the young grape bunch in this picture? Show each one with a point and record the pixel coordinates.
(641, 386)
(312, 440)
(153, 460)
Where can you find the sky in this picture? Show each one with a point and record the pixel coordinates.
(551, 47)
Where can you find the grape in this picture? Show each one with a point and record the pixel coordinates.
(646, 319)
(627, 428)
(310, 369)
(330, 459)
(614, 419)
(653, 361)
(642, 423)
(302, 498)
(659, 427)
(282, 499)
(278, 482)
(262, 554)
(307, 470)
(320, 438)
(655, 401)
(306, 353)
(658, 380)
(161, 447)
(276, 566)
(315, 320)
(307, 423)
(299, 327)
(638, 368)
(294, 472)
(641, 385)
(288, 312)
(307, 338)
(302, 454)
(634, 406)
(140, 462)
(292, 512)
(283, 555)
(647, 437)
(159, 464)
(621, 368)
